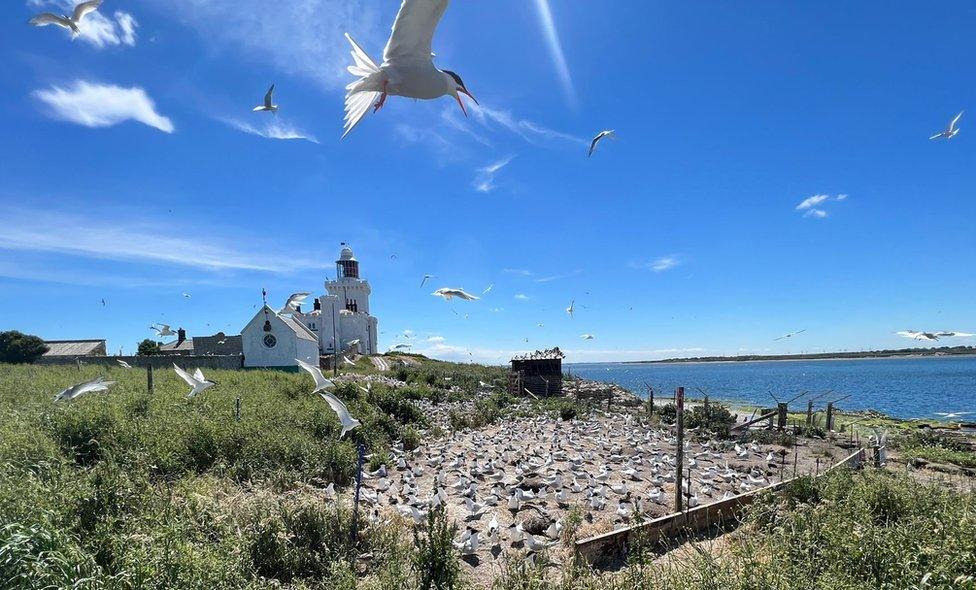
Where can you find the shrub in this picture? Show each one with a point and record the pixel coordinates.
(148, 348)
(435, 562)
(716, 418)
(18, 348)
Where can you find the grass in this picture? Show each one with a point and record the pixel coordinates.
(127, 489)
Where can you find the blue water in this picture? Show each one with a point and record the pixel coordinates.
(902, 387)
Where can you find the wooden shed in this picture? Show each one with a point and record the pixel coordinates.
(540, 373)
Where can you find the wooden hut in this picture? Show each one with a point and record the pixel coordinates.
(539, 373)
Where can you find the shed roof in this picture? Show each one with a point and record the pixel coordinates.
(299, 328)
(177, 346)
(551, 354)
(75, 347)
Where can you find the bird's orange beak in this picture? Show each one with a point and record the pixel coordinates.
(461, 104)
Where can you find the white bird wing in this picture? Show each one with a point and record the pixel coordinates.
(84, 8)
(360, 94)
(198, 375)
(937, 135)
(259, 108)
(46, 18)
(316, 373)
(337, 406)
(955, 120)
(185, 376)
(413, 30)
(267, 97)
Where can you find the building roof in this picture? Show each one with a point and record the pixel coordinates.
(542, 355)
(299, 328)
(346, 253)
(75, 348)
(177, 346)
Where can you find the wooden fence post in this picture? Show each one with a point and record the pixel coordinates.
(679, 455)
(809, 413)
(149, 377)
(237, 409)
(359, 484)
(650, 396)
(781, 418)
(830, 416)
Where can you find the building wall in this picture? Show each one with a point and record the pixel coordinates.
(357, 290)
(157, 362)
(287, 348)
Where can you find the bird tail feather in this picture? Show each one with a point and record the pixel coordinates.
(359, 95)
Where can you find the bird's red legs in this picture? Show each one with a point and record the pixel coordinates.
(382, 100)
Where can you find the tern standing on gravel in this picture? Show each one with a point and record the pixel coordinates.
(408, 67)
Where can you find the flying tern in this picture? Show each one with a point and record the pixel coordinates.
(320, 381)
(295, 301)
(268, 102)
(600, 137)
(918, 335)
(950, 131)
(408, 67)
(572, 308)
(790, 335)
(67, 22)
(75, 391)
(449, 293)
(425, 279)
(196, 381)
(342, 412)
(162, 330)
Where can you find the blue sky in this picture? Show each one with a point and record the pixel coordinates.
(133, 171)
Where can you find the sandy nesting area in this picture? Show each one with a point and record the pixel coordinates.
(511, 486)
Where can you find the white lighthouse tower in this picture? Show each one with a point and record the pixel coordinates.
(342, 316)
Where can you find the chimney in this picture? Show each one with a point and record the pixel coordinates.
(317, 305)
(298, 309)
(180, 336)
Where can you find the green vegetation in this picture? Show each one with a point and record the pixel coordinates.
(126, 489)
(148, 348)
(937, 448)
(18, 348)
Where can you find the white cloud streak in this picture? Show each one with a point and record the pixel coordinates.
(556, 50)
(662, 264)
(299, 37)
(813, 206)
(484, 181)
(529, 131)
(275, 129)
(101, 105)
(552, 278)
(138, 241)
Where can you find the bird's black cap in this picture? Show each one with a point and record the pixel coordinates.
(456, 78)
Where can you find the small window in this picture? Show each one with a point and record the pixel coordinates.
(270, 341)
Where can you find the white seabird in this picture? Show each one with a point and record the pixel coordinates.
(76, 391)
(295, 300)
(67, 22)
(268, 102)
(449, 293)
(320, 381)
(342, 412)
(196, 381)
(950, 131)
(600, 137)
(408, 67)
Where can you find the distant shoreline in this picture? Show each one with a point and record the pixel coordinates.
(961, 351)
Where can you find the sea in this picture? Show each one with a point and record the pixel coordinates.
(903, 387)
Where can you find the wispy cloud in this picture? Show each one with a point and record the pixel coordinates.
(274, 129)
(518, 271)
(298, 37)
(662, 264)
(436, 339)
(484, 180)
(443, 148)
(813, 206)
(529, 131)
(136, 240)
(102, 105)
(552, 278)
(556, 50)
(522, 297)
(96, 28)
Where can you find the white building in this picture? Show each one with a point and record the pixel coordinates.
(273, 340)
(336, 321)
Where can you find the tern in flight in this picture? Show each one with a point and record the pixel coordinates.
(425, 279)
(950, 131)
(952, 415)
(449, 293)
(294, 302)
(600, 137)
(196, 381)
(408, 67)
(572, 308)
(342, 412)
(75, 391)
(65, 21)
(268, 104)
(587, 336)
(790, 335)
(321, 382)
(918, 335)
(162, 330)
(488, 290)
